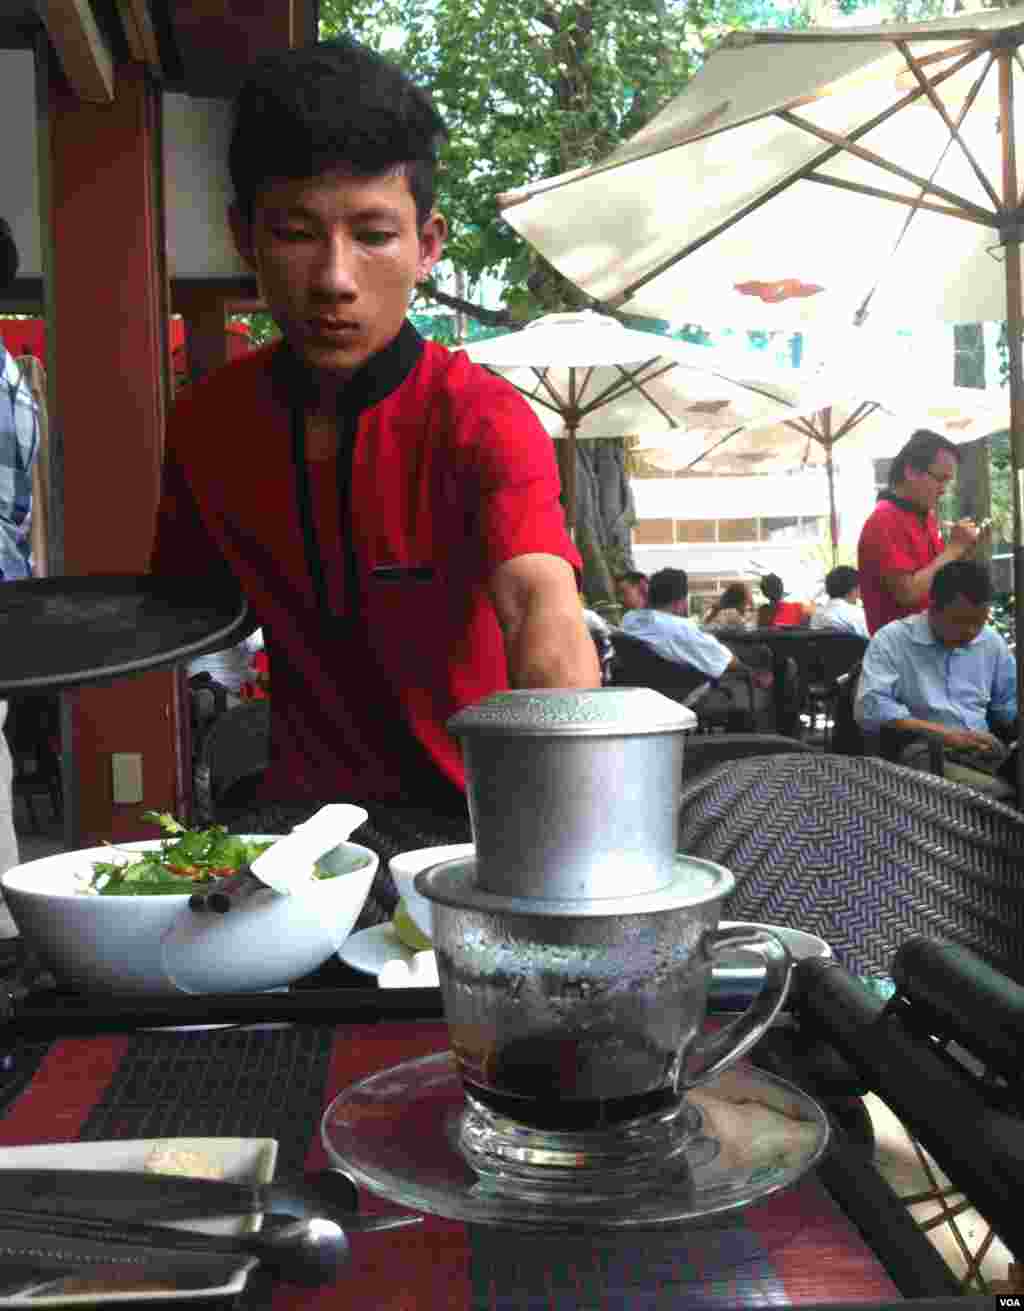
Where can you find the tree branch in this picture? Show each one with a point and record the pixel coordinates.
(493, 318)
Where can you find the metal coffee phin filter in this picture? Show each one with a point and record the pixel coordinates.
(573, 795)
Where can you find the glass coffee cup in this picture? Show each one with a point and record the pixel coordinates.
(577, 1028)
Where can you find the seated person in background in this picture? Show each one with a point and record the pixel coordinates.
(632, 588)
(733, 609)
(665, 627)
(946, 673)
(600, 631)
(841, 611)
(777, 613)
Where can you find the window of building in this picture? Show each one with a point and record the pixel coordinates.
(737, 530)
(653, 532)
(781, 529)
(695, 530)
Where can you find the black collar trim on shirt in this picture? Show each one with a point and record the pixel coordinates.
(902, 503)
(294, 386)
(379, 376)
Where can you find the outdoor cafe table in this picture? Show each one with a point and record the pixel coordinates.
(795, 1248)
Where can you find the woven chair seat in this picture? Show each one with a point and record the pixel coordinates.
(863, 853)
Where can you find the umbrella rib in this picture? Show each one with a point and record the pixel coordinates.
(618, 387)
(863, 411)
(783, 184)
(954, 128)
(984, 215)
(862, 311)
(711, 449)
(803, 426)
(879, 193)
(559, 403)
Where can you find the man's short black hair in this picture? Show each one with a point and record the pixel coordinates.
(666, 586)
(337, 103)
(919, 452)
(841, 580)
(735, 597)
(631, 576)
(773, 587)
(960, 578)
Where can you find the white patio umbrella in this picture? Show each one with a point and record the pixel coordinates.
(839, 171)
(586, 375)
(873, 428)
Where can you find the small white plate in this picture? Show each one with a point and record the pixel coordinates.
(242, 1160)
(371, 949)
(747, 964)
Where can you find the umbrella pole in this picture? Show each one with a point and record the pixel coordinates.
(833, 517)
(567, 454)
(1014, 326)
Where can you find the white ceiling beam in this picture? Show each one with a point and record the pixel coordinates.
(84, 55)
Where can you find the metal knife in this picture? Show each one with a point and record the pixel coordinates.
(132, 1195)
(53, 1254)
(59, 1281)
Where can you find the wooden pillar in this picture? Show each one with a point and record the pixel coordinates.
(107, 330)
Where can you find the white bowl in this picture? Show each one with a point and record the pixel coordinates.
(407, 864)
(156, 945)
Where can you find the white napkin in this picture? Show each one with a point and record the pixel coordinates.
(420, 972)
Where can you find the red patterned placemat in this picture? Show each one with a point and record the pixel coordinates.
(793, 1248)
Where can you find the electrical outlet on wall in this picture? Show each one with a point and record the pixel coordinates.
(126, 774)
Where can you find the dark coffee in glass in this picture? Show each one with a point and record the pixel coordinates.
(561, 1081)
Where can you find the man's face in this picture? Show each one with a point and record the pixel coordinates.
(632, 595)
(337, 257)
(959, 622)
(925, 486)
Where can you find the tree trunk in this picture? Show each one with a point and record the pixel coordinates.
(605, 515)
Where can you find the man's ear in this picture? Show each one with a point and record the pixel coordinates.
(241, 233)
(432, 238)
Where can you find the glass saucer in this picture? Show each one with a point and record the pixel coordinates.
(398, 1132)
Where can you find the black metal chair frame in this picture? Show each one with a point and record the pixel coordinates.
(32, 724)
(637, 664)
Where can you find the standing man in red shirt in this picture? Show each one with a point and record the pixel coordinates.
(389, 509)
(901, 548)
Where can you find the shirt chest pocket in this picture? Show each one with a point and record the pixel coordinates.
(409, 617)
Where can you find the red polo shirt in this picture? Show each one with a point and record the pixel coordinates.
(896, 539)
(368, 569)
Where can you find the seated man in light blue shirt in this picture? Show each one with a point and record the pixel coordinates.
(841, 613)
(945, 672)
(665, 627)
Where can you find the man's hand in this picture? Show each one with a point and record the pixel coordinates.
(969, 739)
(963, 534)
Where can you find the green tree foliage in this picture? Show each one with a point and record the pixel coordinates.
(531, 89)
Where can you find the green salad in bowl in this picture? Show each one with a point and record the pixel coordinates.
(185, 859)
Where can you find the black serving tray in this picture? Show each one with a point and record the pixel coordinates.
(65, 632)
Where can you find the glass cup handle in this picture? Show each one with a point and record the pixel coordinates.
(715, 1052)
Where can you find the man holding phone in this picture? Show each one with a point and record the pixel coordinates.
(901, 546)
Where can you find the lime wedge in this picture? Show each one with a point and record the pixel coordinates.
(407, 932)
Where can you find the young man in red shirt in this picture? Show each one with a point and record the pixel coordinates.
(901, 548)
(389, 509)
